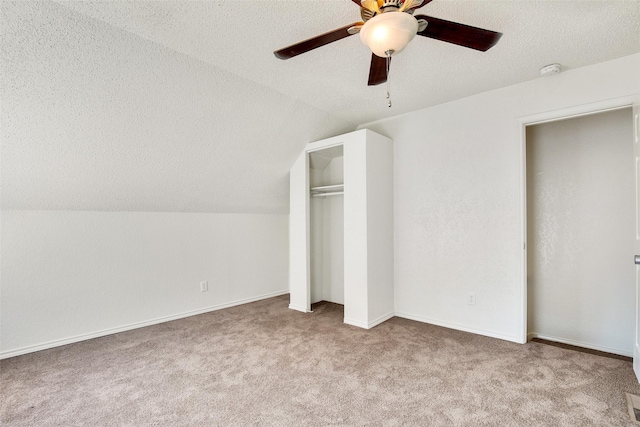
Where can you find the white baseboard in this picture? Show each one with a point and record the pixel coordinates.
(636, 361)
(381, 319)
(357, 323)
(580, 344)
(298, 308)
(371, 324)
(458, 327)
(83, 337)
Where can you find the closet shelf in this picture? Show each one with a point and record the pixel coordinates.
(327, 190)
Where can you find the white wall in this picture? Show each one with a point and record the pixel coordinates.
(458, 197)
(368, 229)
(68, 276)
(379, 218)
(356, 293)
(581, 228)
(316, 242)
(333, 235)
(299, 250)
(99, 129)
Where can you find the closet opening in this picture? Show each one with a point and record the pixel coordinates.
(326, 182)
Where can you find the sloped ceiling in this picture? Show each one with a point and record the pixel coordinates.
(181, 105)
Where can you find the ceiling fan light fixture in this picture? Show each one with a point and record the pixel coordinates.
(389, 33)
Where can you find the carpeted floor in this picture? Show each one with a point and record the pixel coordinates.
(263, 364)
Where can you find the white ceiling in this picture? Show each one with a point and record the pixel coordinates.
(240, 36)
(181, 106)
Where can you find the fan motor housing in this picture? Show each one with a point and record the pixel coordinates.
(387, 6)
(392, 3)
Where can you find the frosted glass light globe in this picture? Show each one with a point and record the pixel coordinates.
(390, 31)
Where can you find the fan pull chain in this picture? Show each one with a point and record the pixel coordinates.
(389, 52)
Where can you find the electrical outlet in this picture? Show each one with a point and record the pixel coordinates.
(471, 298)
(204, 286)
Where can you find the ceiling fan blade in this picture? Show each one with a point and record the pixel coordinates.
(355, 29)
(378, 70)
(315, 42)
(460, 34)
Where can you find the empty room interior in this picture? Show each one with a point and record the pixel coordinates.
(336, 212)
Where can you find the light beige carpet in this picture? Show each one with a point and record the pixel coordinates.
(263, 364)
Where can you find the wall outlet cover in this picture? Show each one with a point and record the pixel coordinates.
(471, 298)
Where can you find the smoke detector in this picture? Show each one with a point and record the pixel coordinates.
(549, 70)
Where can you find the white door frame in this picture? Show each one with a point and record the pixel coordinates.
(546, 117)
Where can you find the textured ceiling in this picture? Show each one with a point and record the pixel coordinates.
(96, 118)
(240, 36)
(181, 105)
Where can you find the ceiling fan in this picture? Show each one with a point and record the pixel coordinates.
(389, 25)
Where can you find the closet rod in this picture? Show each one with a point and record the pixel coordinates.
(332, 193)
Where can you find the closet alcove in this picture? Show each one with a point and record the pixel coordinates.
(326, 221)
(341, 227)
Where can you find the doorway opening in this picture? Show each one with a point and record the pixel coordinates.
(580, 230)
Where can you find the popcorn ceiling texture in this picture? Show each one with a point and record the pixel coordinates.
(181, 106)
(96, 118)
(240, 37)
